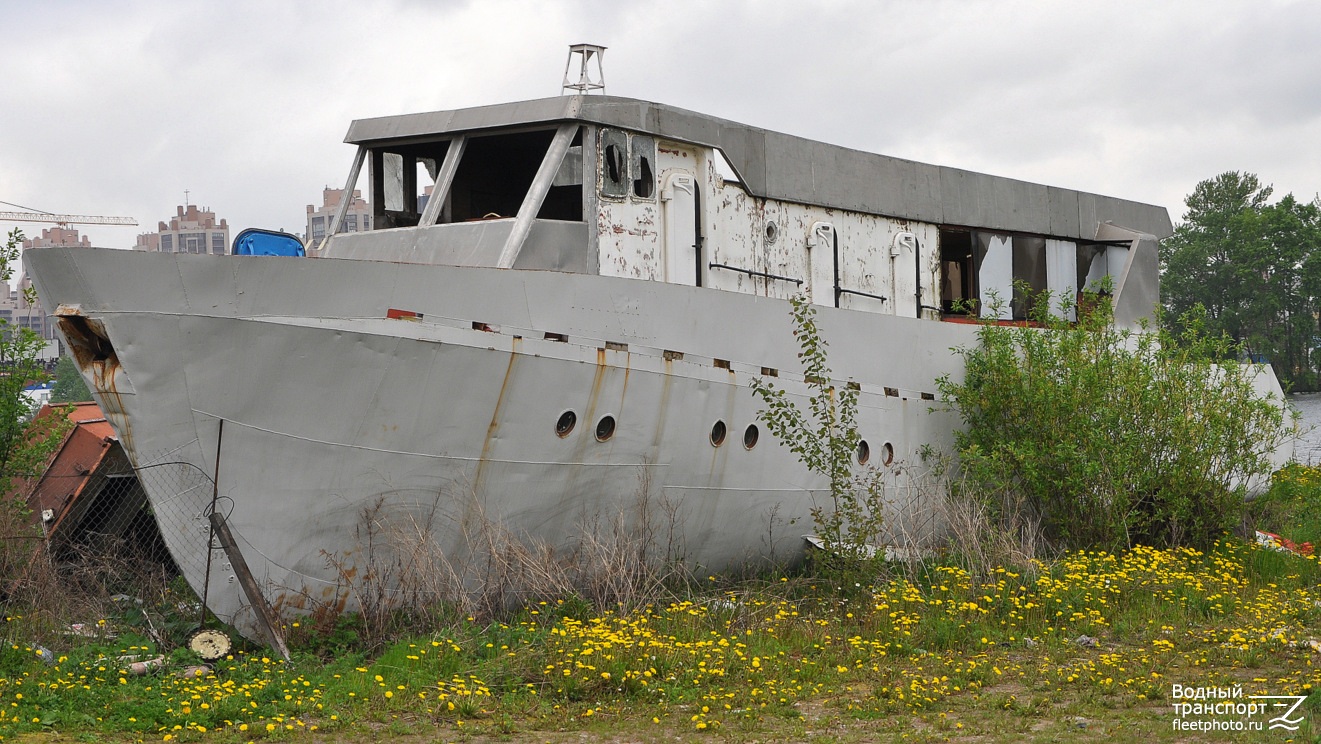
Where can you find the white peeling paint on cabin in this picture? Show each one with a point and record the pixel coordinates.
(776, 248)
(638, 238)
(628, 232)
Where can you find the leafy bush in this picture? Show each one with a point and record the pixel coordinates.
(1109, 438)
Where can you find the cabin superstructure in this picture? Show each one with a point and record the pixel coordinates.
(621, 187)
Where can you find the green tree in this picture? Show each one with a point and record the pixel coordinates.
(69, 384)
(25, 442)
(1254, 266)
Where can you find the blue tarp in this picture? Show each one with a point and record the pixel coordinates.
(255, 242)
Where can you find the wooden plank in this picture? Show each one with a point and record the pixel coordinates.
(266, 619)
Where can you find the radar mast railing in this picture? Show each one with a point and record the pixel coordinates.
(585, 84)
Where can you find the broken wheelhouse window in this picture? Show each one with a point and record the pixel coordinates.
(493, 176)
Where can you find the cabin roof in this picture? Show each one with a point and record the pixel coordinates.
(773, 165)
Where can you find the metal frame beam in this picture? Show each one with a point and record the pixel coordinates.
(536, 194)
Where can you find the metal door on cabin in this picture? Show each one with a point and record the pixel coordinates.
(681, 241)
(821, 258)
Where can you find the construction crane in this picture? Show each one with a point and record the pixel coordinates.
(62, 220)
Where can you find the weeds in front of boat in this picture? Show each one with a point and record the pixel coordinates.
(979, 529)
(93, 591)
(780, 658)
(824, 436)
(771, 658)
(400, 576)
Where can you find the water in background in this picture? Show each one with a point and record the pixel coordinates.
(1308, 448)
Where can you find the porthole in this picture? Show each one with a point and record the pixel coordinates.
(887, 454)
(717, 433)
(772, 232)
(864, 452)
(605, 428)
(567, 421)
(750, 436)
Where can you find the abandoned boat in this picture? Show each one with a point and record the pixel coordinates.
(554, 320)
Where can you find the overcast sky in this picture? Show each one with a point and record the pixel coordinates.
(117, 107)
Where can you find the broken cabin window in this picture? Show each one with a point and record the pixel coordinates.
(392, 168)
(426, 180)
(564, 201)
(958, 272)
(614, 163)
(401, 178)
(1029, 274)
(643, 151)
(490, 182)
(1091, 266)
(571, 169)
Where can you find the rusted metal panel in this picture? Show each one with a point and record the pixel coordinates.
(88, 483)
(75, 463)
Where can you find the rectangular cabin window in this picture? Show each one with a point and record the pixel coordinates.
(491, 181)
(392, 169)
(628, 165)
(642, 154)
(497, 171)
(958, 272)
(571, 170)
(401, 177)
(564, 201)
(394, 178)
(614, 163)
(991, 274)
(1090, 269)
(1029, 274)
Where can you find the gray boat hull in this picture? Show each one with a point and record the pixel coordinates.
(342, 423)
